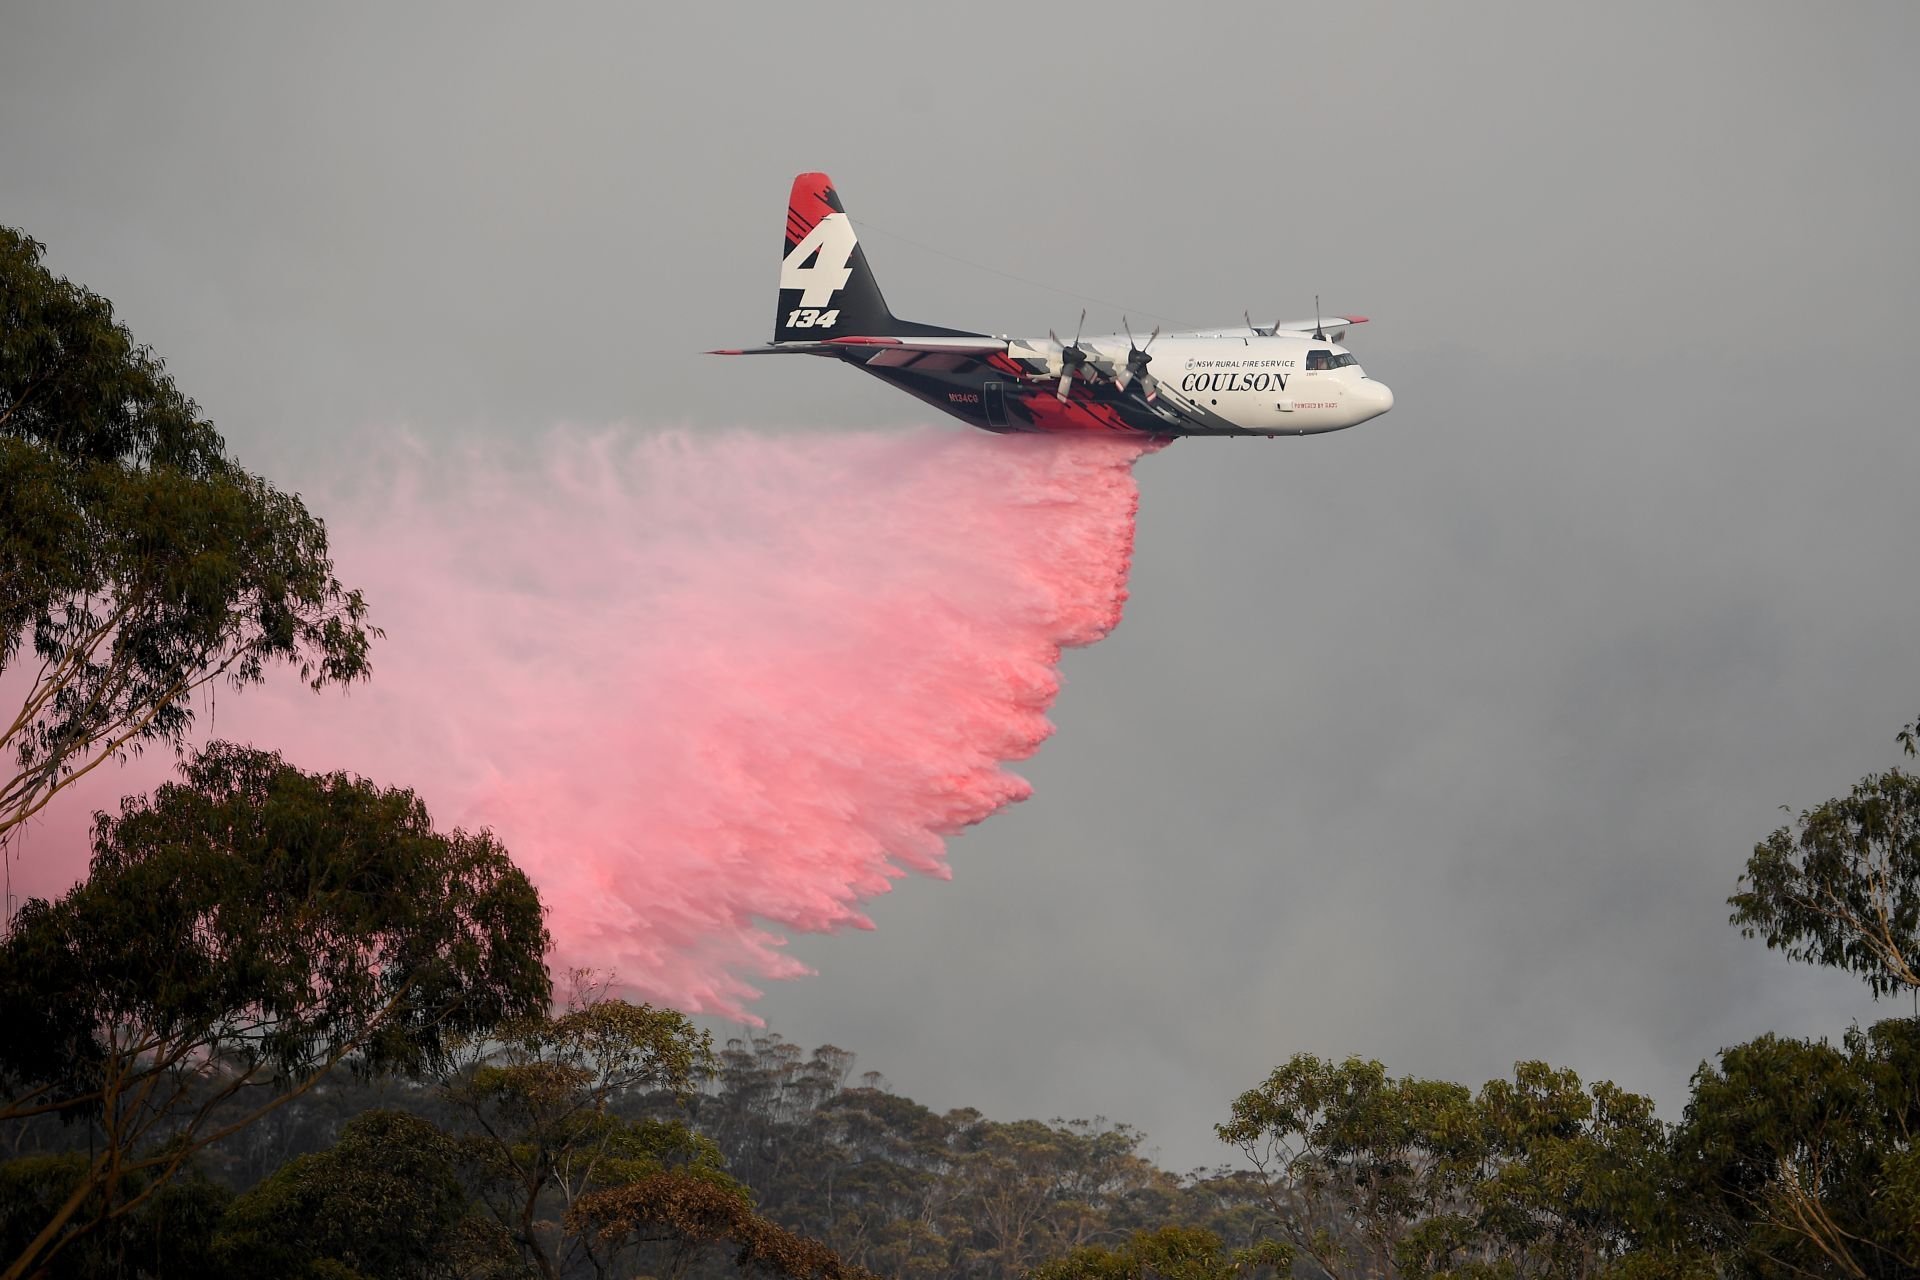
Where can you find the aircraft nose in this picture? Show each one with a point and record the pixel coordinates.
(1370, 399)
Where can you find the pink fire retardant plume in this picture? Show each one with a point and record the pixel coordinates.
(704, 687)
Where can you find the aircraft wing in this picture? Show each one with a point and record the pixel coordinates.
(1326, 324)
(959, 346)
(1323, 322)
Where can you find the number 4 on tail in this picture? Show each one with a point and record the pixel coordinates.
(806, 319)
(818, 265)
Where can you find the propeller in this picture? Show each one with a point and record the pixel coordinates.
(1072, 358)
(1137, 362)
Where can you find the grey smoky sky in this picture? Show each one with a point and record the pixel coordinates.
(1441, 740)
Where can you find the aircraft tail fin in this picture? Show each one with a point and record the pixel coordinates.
(827, 290)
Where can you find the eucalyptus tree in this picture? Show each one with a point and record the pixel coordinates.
(1170, 1253)
(681, 1217)
(1370, 1175)
(1799, 1157)
(539, 1101)
(138, 562)
(242, 933)
(385, 1202)
(1841, 886)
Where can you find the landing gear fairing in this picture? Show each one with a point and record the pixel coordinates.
(1291, 378)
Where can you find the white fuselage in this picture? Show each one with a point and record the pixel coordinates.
(1260, 383)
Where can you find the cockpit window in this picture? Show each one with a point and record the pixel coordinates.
(1322, 359)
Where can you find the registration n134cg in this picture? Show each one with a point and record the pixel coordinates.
(1291, 378)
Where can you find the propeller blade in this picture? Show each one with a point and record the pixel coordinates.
(1137, 357)
(1072, 359)
(1125, 373)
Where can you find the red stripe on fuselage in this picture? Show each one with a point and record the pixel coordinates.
(1080, 413)
(1077, 414)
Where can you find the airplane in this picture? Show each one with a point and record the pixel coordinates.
(1290, 378)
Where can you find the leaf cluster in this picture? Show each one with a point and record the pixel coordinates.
(1172, 1252)
(903, 1190)
(170, 1233)
(1841, 887)
(1800, 1157)
(271, 919)
(243, 932)
(1368, 1174)
(138, 562)
(542, 1102)
(690, 1214)
(385, 1201)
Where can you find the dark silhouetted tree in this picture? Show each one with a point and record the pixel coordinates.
(242, 933)
(1170, 1253)
(170, 1233)
(383, 1203)
(542, 1128)
(682, 1216)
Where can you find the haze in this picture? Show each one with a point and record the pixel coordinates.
(1441, 740)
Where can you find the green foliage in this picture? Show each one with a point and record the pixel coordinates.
(169, 1234)
(1031, 1188)
(905, 1191)
(1370, 1175)
(688, 1215)
(245, 931)
(384, 1203)
(539, 1101)
(1679, 1260)
(1844, 889)
(137, 561)
(1796, 1157)
(571, 1136)
(1169, 1253)
(1353, 1160)
(1568, 1178)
